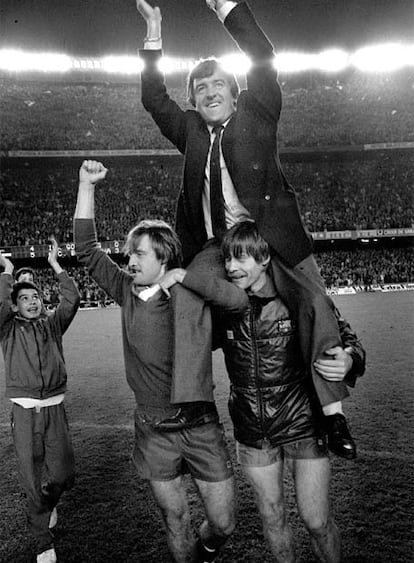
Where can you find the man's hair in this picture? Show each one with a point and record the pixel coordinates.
(18, 286)
(24, 270)
(164, 240)
(205, 68)
(244, 239)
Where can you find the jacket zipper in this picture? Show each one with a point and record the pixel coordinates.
(40, 362)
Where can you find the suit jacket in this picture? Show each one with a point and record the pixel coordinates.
(249, 146)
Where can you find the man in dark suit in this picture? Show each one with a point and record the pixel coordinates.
(230, 141)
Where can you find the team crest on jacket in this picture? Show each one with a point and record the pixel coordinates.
(285, 326)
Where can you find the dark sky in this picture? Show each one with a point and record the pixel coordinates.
(100, 27)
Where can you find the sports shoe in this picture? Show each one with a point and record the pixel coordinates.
(48, 556)
(53, 518)
(340, 441)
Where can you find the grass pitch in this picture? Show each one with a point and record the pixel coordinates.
(110, 517)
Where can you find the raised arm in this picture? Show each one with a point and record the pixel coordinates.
(90, 173)
(262, 81)
(167, 114)
(105, 271)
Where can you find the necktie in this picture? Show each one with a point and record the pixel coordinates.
(216, 193)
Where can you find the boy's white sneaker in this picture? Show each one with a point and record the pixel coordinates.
(53, 518)
(48, 556)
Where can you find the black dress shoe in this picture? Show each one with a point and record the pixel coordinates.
(340, 441)
(204, 555)
(188, 416)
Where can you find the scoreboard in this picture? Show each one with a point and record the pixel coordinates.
(65, 250)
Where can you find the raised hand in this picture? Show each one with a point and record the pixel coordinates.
(153, 18)
(53, 253)
(6, 264)
(92, 171)
(215, 4)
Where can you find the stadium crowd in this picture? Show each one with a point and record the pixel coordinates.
(362, 268)
(354, 109)
(342, 191)
(370, 193)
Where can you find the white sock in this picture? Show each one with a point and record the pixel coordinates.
(332, 408)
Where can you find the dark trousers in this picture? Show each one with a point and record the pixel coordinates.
(45, 463)
(303, 291)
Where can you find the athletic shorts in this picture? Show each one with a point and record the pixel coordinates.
(163, 456)
(306, 448)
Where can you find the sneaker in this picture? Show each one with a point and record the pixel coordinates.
(48, 556)
(340, 441)
(53, 518)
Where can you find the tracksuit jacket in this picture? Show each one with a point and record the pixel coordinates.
(33, 354)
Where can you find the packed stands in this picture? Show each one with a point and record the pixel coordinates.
(354, 109)
(334, 194)
(329, 134)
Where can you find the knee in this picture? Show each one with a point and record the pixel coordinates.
(176, 519)
(317, 524)
(274, 515)
(224, 524)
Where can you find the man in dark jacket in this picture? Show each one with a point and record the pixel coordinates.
(31, 342)
(273, 407)
(230, 141)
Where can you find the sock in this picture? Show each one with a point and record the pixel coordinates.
(332, 408)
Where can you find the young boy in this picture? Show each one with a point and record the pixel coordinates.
(36, 376)
(273, 405)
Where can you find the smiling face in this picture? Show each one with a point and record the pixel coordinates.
(143, 263)
(28, 304)
(213, 97)
(246, 272)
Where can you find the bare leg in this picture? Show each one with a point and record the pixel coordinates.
(267, 483)
(219, 504)
(312, 480)
(172, 500)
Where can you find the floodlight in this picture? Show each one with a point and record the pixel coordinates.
(169, 65)
(122, 65)
(15, 60)
(385, 57)
(332, 60)
(236, 64)
(294, 62)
